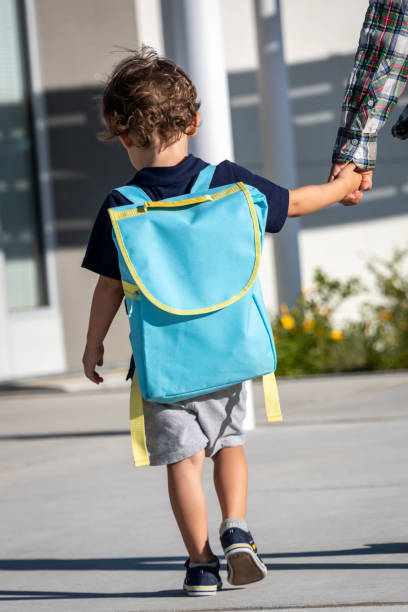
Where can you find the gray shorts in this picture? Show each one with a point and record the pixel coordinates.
(177, 431)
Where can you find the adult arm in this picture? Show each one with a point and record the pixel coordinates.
(376, 82)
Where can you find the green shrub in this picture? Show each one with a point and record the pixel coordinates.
(308, 342)
(386, 323)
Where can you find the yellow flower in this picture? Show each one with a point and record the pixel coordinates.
(308, 324)
(287, 321)
(385, 315)
(284, 308)
(336, 334)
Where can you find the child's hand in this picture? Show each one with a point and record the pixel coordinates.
(352, 180)
(93, 356)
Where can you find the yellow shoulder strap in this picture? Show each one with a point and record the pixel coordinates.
(137, 427)
(272, 404)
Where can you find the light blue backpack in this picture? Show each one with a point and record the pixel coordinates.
(189, 269)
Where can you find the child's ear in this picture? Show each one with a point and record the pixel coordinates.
(126, 140)
(192, 130)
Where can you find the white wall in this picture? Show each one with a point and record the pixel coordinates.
(316, 33)
(319, 28)
(312, 30)
(238, 17)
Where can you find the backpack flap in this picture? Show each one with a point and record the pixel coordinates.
(196, 254)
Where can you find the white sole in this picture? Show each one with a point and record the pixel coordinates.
(244, 565)
(193, 591)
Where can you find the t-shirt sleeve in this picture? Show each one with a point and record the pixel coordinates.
(277, 197)
(101, 255)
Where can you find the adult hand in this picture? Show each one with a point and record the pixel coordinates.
(366, 183)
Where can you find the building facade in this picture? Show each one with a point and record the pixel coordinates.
(55, 173)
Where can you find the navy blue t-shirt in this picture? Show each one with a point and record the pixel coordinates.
(161, 182)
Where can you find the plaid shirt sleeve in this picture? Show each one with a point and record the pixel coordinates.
(376, 82)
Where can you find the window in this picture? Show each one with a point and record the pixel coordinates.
(20, 221)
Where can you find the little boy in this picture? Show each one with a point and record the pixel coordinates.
(150, 104)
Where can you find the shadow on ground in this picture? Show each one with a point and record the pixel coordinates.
(16, 388)
(63, 434)
(37, 595)
(175, 563)
(34, 595)
(172, 563)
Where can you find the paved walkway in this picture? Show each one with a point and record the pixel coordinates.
(83, 530)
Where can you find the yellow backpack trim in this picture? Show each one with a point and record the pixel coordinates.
(140, 210)
(130, 290)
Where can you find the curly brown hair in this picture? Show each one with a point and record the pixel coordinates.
(149, 97)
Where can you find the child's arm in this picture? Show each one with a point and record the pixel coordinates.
(311, 198)
(106, 300)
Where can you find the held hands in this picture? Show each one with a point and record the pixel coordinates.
(93, 356)
(360, 180)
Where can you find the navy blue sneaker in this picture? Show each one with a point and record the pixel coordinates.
(202, 579)
(244, 564)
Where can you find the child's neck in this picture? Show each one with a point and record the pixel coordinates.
(170, 156)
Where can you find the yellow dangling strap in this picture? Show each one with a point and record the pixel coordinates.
(137, 427)
(272, 404)
(130, 290)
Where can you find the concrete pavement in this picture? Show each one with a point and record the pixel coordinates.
(82, 529)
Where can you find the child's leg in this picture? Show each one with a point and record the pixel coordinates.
(189, 506)
(231, 484)
(231, 481)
